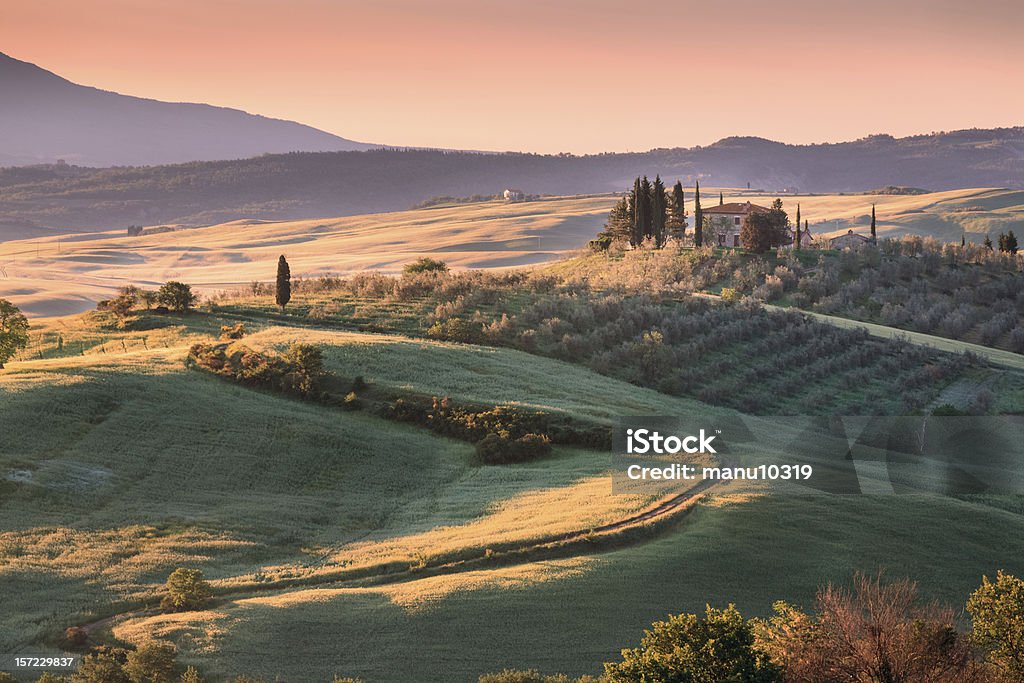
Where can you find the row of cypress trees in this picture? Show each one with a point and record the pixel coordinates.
(648, 212)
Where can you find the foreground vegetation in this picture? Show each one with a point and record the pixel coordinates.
(321, 513)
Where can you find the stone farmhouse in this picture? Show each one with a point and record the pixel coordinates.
(726, 221)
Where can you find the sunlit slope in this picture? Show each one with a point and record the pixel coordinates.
(55, 276)
(945, 216)
(144, 466)
(570, 615)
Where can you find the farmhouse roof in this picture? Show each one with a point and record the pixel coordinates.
(741, 208)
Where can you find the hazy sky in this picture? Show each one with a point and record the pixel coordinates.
(550, 76)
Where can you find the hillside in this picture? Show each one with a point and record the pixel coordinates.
(58, 276)
(62, 275)
(44, 117)
(37, 200)
(262, 491)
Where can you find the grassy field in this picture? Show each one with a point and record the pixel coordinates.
(144, 466)
(570, 615)
(123, 485)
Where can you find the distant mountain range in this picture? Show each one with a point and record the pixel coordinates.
(44, 117)
(54, 198)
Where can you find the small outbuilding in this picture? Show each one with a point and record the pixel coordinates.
(850, 240)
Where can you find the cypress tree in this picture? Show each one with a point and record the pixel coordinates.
(963, 240)
(658, 208)
(284, 283)
(874, 235)
(721, 198)
(643, 203)
(798, 226)
(698, 219)
(677, 220)
(635, 199)
(806, 228)
(988, 242)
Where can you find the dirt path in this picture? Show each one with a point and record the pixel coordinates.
(614, 535)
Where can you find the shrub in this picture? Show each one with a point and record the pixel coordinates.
(997, 628)
(186, 591)
(425, 265)
(236, 331)
(13, 331)
(104, 665)
(351, 401)
(177, 296)
(151, 662)
(717, 646)
(76, 636)
(731, 295)
(497, 449)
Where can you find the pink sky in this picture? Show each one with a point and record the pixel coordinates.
(550, 76)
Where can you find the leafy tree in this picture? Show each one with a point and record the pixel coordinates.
(997, 613)
(425, 265)
(13, 331)
(659, 206)
(874, 234)
(717, 647)
(186, 590)
(176, 296)
(698, 219)
(151, 662)
(106, 665)
(764, 230)
(875, 632)
(283, 291)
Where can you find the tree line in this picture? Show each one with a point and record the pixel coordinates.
(876, 631)
(649, 215)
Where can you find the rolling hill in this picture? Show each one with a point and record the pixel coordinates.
(44, 117)
(255, 488)
(62, 275)
(52, 199)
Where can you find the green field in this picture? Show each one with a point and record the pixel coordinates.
(346, 542)
(146, 466)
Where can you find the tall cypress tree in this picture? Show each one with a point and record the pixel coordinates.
(874, 235)
(658, 208)
(721, 198)
(677, 219)
(698, 219)
(284, 283)
(643, 203)
(798, 226)
(636, 235)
